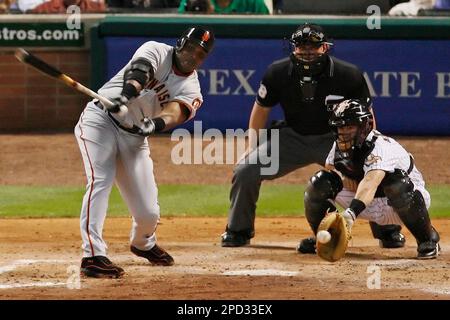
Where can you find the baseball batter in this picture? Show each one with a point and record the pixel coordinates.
(390, 188)
(160, 87)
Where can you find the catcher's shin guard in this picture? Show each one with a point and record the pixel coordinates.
(410, 206)
(322, 187)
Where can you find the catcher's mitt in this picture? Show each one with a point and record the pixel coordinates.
(334, 249)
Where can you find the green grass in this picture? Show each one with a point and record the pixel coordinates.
(175, 200)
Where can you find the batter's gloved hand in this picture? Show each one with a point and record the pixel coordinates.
(147, 127)
(118, 102)
(333, 246)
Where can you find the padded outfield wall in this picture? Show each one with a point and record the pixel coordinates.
(406, 63)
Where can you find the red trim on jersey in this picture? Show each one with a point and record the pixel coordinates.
(92, 187)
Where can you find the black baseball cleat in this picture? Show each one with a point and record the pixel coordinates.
(235, 239)
(307, 246)
(429, 249)
(393, 240)
(156, 255)
(100, 267)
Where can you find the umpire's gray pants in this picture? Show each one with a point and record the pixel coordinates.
(295, 151)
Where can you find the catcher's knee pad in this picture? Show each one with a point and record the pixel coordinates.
(322, 187)
(409, 204)
(398, 188)
(325, 185)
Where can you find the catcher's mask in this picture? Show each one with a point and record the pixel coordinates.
(309, 56)
(351, 122)
(192, 48)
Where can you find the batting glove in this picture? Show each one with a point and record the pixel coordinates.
(147, 127)
(118, 102)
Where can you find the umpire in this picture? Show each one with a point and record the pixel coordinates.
(299, 83)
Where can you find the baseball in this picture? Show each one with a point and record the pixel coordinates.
(323, 236)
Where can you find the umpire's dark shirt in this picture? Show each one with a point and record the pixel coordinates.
(281, 84)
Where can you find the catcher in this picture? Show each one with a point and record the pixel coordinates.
(382, 184)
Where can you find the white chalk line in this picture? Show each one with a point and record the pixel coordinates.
(436, 291)
(261, 272)
(28, 262)
(433, 289)
(32, 284)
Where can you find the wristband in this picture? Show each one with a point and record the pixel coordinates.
(129, 91)
(357, 206)
(159, 124)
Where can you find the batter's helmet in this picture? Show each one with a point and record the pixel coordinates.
(201, 36)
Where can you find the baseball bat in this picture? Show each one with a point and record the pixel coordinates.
(27, 58)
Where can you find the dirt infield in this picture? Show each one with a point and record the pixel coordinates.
(38, 257)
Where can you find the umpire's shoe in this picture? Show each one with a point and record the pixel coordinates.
(393, 240)
(236, 239)
(429, 249)
(389, 236)
(307, 246)
(156, 255)
(100, 267)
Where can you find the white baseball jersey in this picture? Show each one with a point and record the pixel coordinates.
(387, 155)
(112, 155)
(167, 85)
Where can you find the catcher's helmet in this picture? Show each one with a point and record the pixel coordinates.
(348, 113)
(201, 36)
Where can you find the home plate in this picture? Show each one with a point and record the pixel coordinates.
(261, 272)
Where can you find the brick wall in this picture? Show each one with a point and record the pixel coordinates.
(31, 101)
